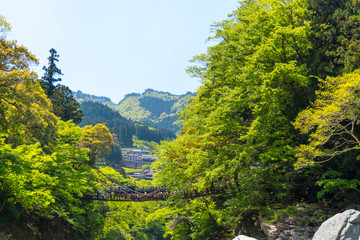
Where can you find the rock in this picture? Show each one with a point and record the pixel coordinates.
(281, 226)
(270, 230)
(342, 226)
(289, 221)
(288, 229)
(243, 237)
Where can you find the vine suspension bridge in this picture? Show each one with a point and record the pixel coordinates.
(122, 194)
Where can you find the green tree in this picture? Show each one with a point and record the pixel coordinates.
(98, 140)
(43, 171)
(48, 185)
(237, 130)
(64, 103)
(131, 221)
(49, 79)
(24, 108)
(332, 125)
(332, 121)
(335, 37)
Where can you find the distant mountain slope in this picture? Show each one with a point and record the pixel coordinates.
(156, 108)
(80, 96)
(95, 112)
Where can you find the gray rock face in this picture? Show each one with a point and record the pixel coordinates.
(342, 226)
(243, 237)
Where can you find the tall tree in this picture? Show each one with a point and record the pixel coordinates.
(65, 105)
(50, 73)
(237, 130)
(42, 169)
(24, 107)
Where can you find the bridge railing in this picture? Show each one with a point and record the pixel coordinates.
(150, 194)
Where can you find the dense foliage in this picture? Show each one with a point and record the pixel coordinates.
(238, 130)
(64, 103)
(275, 121)
(48, 165)
(42, 170)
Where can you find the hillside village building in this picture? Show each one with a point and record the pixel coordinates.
(136, 158)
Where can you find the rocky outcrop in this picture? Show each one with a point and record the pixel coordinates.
(288, 230)
(305, 225)
(342, 226)
(243, 237)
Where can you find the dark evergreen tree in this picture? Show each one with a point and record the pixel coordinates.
(113, 159)
(335, 37)
(65, 105)
(48, 80)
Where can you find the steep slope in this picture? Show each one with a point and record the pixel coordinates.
(95, 112)
(158, 109)
(155, 108)
(80, 96)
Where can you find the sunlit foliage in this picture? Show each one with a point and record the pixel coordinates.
(263, 125)
(332, 120)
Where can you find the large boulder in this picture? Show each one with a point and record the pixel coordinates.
(243, 237)
(342, 226)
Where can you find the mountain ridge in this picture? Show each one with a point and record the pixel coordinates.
(155, 108)
(125, 129)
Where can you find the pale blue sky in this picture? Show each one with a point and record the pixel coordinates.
(114, 47)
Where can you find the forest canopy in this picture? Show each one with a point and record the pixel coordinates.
(267, 122)
(274, 125)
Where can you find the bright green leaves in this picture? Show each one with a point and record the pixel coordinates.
(15, 57)
(68, 133)
(36, 179)
(22, 175)
(33, 110)
(24, 108)
(49, 183)
(98, 140)
(128, 220)
(237, 129)
(191, 219)
(332, 120)
(241, 116)
(111, 178)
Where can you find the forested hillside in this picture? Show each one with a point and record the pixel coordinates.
(80, 96)
(158, 109)
(95, 112)
(272, 132)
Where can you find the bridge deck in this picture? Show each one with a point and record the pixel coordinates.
(158, 195)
